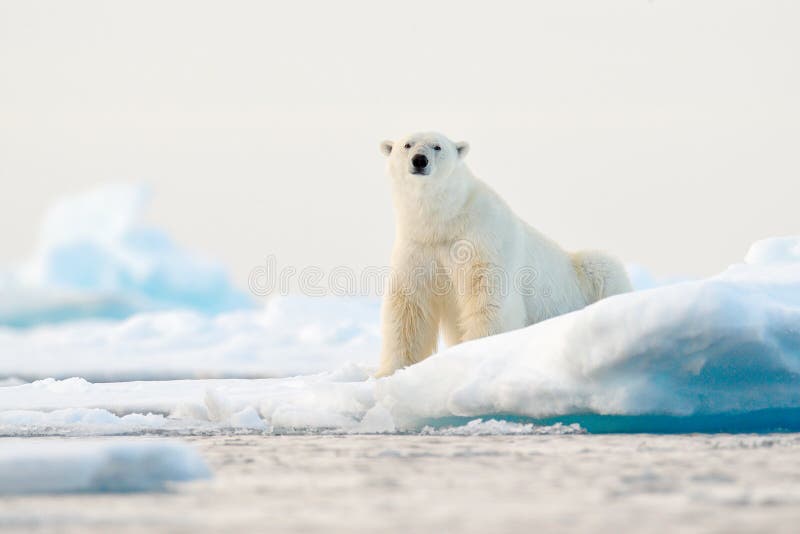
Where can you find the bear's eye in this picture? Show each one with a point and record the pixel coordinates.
(408, 145)
(437, 147)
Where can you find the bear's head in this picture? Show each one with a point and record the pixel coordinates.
(424, 156)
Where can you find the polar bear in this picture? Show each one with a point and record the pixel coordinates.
(464, 264)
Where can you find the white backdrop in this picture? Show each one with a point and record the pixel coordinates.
(665, 132)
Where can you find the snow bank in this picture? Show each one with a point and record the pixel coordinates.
(61, 466)
(96, 258)
(721, 347)
(290, 336)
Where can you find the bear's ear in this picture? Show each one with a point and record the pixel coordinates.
(386, 147)
(462, 148)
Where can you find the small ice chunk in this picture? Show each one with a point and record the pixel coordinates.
(59, 466)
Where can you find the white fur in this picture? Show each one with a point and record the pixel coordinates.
(454, 236)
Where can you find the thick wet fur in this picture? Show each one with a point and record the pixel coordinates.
(464, 264)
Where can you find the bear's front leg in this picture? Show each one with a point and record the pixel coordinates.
(409, 327)
(480, 300)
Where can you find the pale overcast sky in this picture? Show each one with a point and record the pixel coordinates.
(667, 132)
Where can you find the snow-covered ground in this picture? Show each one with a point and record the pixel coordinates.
(28, 467)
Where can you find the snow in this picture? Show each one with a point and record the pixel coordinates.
(453, 483)
(774, 250)
(95, 466)
(289, 336)
(82, 421)
(493, 427)
(97, 258)
(708, 355)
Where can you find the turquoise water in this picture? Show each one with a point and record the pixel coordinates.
(760, 421)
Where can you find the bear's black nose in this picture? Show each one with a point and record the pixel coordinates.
(420, 161)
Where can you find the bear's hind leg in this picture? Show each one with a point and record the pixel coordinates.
(600, 275)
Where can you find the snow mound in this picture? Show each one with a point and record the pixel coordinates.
(774, 250)
(97, 258)
(62, 466)
(727, 345)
